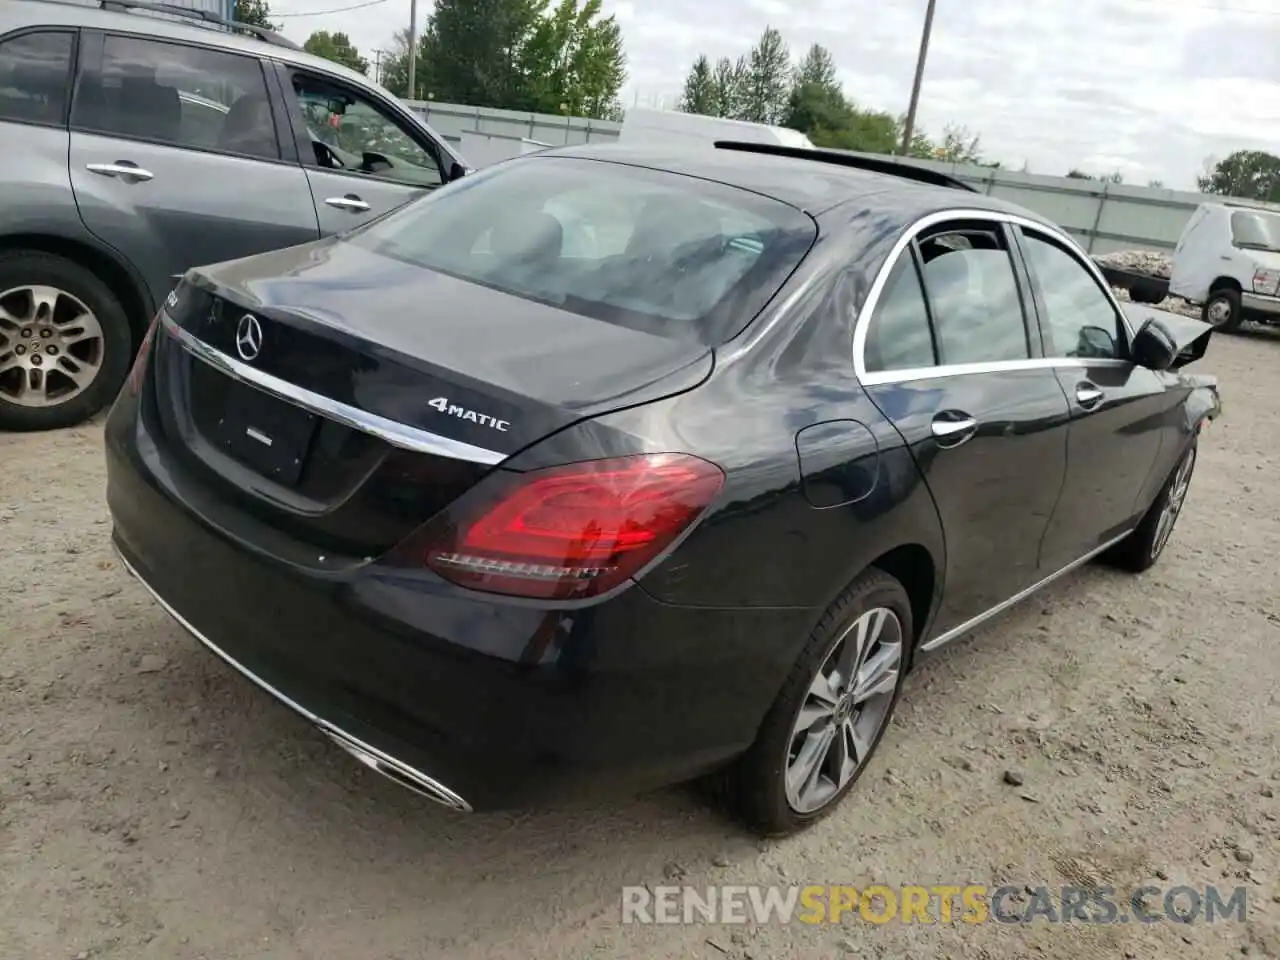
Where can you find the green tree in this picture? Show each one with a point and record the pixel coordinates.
(818, 69)
(572, 62)
(729, 87)
(394, 65)
(921, 147)
(471, 49)
(256, 13)
(768, 79)
(958, 146)
(816, 100)
(515, 54)
(818, 108)
(1248, 174)
(700, 95)
(336, 47)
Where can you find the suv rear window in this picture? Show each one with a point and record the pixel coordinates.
(674, 255)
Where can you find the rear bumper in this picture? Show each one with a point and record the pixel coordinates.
(367, 754)
(1258, 303)
(479, 704)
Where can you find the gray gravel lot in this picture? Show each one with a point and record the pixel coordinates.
(154, 804)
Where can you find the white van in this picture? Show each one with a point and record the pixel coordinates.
(643, 126)
(1228, 260)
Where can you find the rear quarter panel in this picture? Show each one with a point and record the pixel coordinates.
(764, 544)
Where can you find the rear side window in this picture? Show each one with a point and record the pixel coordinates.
(178, 95)
(674, 255)
(977, 307)
(35, 69)
(899, 337)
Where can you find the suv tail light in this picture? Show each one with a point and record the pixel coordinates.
(139, 368)
(573, 531)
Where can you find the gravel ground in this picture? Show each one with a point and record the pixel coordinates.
(154, 804)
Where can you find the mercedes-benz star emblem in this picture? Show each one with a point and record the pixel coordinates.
(249, 337)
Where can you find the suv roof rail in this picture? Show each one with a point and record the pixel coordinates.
(204, 16)
(892, 166)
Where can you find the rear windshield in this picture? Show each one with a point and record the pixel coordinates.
(673, 255)
(1255, 230)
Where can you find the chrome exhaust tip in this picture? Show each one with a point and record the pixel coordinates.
(400, 773)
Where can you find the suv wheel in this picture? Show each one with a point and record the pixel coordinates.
(1223, 309)
(832, 710)
(65, 342)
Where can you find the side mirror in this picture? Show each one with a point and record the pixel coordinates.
(456, 171)
(1154, 346)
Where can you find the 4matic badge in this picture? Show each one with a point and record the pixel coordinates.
(443, 405)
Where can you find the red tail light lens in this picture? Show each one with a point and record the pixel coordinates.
(139, 368)
(578, 530)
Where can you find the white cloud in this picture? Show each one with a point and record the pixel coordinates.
(1148, 87)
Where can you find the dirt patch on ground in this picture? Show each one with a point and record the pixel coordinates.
(154, 804)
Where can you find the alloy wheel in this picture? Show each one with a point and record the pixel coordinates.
(51, 346)
(845, 708)
(1173, 503)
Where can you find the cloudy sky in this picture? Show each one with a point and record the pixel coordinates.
(1147, 87)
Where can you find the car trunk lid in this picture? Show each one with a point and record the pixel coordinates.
(343, 398)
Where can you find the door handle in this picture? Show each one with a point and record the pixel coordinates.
(351, 203)
(123, 169)
(953, 429)
(1087, 395)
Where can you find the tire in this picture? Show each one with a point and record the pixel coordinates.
(1141, 549)
(76, 323)
(1223, 310)
(754, 787)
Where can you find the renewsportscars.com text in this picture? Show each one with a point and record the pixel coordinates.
(939, 904)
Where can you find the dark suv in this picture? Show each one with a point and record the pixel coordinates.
(141, 140)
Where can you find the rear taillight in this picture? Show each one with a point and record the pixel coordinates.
(575, 531)
(139, 368)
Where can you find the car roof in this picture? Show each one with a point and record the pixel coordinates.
(88, 13)
(816, 186)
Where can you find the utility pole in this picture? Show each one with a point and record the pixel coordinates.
(413, 49)
(908, 130)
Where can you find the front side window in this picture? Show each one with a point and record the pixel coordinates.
(673, 255)
(34, 73)
(898, 337)
(1081, 320)
(178, 95)
(350, 134)
(977, 307)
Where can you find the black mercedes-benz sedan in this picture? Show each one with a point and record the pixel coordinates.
(608, 468)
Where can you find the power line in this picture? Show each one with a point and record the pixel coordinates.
(321, 13)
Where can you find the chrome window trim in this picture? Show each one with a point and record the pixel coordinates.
(397, 434)
(994, 217)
